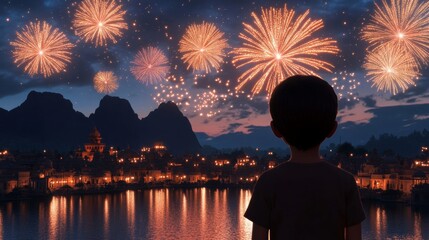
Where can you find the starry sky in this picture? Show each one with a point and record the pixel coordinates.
(161, 24)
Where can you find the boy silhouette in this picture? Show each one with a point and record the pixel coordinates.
(305, 197)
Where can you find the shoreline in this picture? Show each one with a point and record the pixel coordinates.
(25, 194)
(367, 195)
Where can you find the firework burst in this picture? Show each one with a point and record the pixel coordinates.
(105, 82)
(391, 68)
(99, 21)
(279, 45)
(150, 65)
(203, 47)
(402, 23)
(41, 49)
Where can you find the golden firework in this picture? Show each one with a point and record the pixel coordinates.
(150, 65)
(279, 45)
(203, 47)
(99, 21)
(105, 82)
(391, 68)
(402, 23)
(41, 49)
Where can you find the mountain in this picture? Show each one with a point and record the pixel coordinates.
(258, 137)
(48, 121)
(44, 120)
(168, 125)
(3, 115)
(118, 123)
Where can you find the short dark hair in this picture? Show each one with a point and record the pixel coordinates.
(304, 109)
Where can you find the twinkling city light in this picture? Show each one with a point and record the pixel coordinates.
(203, 47)
(41, 49)
(99, 21)
(105, 82)
(279, 44)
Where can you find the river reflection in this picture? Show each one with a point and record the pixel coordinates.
(395, 221)
(173, 214)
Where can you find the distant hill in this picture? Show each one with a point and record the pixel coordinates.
(48, 121)
(397, 121)
(44, 120)
(168, 125)
(408, 145)
(118, 123)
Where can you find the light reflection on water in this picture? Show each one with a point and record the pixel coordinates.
(174, 214)
(395, 221)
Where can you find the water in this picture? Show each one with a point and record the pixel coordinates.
(173, 214)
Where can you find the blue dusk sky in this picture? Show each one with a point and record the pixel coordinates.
(162, 24)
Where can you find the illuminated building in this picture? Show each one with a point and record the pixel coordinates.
(94, 146)
(221, 162)
(113, 151)
(421, 164)
(153, 176)
(372, 177)
(145, 149)
(60, 179)
(158, 148)
(245, 161)
(5, 155)
(272, 164)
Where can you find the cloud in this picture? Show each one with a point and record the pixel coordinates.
(421, 88)
(411, 100)
(233, 126)
(369, 101)
(78, 73)
(346, 104)
(421, 117)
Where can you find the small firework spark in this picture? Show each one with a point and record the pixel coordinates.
(150, 65)
(203, 47)
(345, 84)
(105, 82)
(401, 23)
(99, 21)
(279, 45)
(391, 68)
(41, 49)
(203, 103)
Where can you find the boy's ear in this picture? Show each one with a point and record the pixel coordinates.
(275, 131)
(334, 128)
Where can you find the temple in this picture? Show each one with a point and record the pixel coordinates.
(94, 146)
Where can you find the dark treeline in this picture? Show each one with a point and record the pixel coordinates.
(407, 146)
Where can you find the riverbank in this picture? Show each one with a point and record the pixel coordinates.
(66, 190)
(420, 196)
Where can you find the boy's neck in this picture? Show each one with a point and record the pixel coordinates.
(308, 156)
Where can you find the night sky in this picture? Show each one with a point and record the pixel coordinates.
(161, 24)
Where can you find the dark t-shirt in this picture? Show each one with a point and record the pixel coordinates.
(305, 201)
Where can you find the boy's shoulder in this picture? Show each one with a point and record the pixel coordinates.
(297, 169)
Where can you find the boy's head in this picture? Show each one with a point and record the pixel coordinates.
(303, 109)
